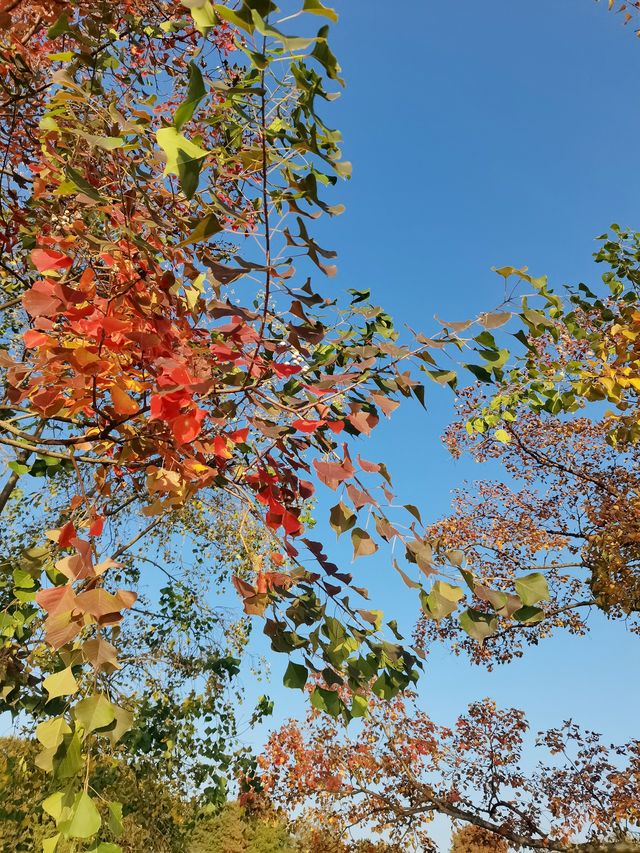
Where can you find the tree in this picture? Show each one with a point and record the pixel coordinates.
(224, 833)
(401, 768)
(161, 158)
(233, 830)
(473, 839)
(560, 528)
(134, 203)
(155, 817)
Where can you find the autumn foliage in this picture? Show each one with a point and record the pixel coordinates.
(170, 361)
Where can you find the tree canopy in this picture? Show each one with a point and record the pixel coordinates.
(178, 380)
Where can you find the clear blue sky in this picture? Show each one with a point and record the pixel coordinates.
(482, 134)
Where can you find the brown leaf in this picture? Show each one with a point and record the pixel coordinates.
(363, 544)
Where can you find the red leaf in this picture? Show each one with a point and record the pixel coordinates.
(97, 526)
(244, 589)
(306, 489)
(33, 338)
(359, 498)
(187, 427)
(291, 524)
(307, 426)
(220, 449)
(282, 370)
(278, 580)
(47, 259)
(369, 467)
(67, 535)
(363, 421)
(253, 603)
(40, 301)
(333, 473)
(385, 404)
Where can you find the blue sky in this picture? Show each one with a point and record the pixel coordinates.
(481, 134)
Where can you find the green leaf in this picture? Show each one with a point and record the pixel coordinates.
(455, 557)
(53, 805)
(120, 726)
(63, 56)
(206, 227)
(502, 435)
(363, 544)
(415, 512)
(325, 57)
(373, 617)
(384, 687)
(183, 158)
(107, 143)
(51, 733)
(532, 588)
(85, 818)
(49, 844)
(315, 7)
(61, 683)
(290, 43)
(234, 18)
(296, 676)
(60, 26)
(529, 615)
(115, 819)
(343, 168)
(95, 712)
(479, 372)
(341, 518)
(359, 706)
(82, 184)
(195, 93)
(71, 762)
(17, 468)
(327, 700)
(478, 625)
(442, 600)
(202, 14)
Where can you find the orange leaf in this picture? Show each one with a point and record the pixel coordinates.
(58, 599)
(98, 603)
(33, 338)
(123, 404)
(61, 629)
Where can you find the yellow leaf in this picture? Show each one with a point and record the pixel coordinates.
(61, 683)
(177, 148)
